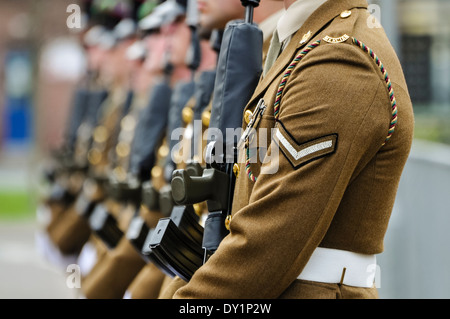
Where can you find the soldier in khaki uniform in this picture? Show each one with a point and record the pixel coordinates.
(214, 15)
(167, 38)
(69, 232)
(310, 216)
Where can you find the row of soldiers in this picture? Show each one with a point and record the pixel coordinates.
(152, 70)
(296, 205)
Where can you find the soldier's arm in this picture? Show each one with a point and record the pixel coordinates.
(336, 97)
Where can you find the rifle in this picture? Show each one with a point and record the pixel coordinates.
(76, 231)
(242, 41)
(197, 90)
(148, 134)
(152, 197)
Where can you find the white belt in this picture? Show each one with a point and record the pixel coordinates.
(327, 265)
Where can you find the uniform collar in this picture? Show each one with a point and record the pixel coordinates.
(269, 24)
(295, 16)
(313, 25)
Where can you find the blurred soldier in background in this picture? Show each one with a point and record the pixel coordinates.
(127, 69)
(110, 37)
(139, 82)
(73, 165)
(167, 41)
(115, 36)
(214, 15)
(201, 59)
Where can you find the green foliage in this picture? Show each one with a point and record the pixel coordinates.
(16, 204)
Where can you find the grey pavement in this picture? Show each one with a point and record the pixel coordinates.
(24, 271)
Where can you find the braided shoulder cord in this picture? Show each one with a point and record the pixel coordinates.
(287, 74)
(297, 60)
(388, 84)
(248, 168)
(276, 107)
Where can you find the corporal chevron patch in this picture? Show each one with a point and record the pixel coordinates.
(300, 154)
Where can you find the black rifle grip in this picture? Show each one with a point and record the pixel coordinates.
(212, 186)
(213, 233)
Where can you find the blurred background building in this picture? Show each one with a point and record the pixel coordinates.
(42, 60)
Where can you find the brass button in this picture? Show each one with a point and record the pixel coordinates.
(345, 14)
(198, 209)
(94, 156)
(128, 123)
(120, 173)
(206, 117)
(248, 116)
(236, 170)
(123, 149)
(163, 151)
(177, 156)
(188, 115)
(100, 134)
(227, 222)
(156, 172)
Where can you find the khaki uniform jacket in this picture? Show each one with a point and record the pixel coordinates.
(337, 196)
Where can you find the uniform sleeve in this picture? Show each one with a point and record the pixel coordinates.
(334, 93)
